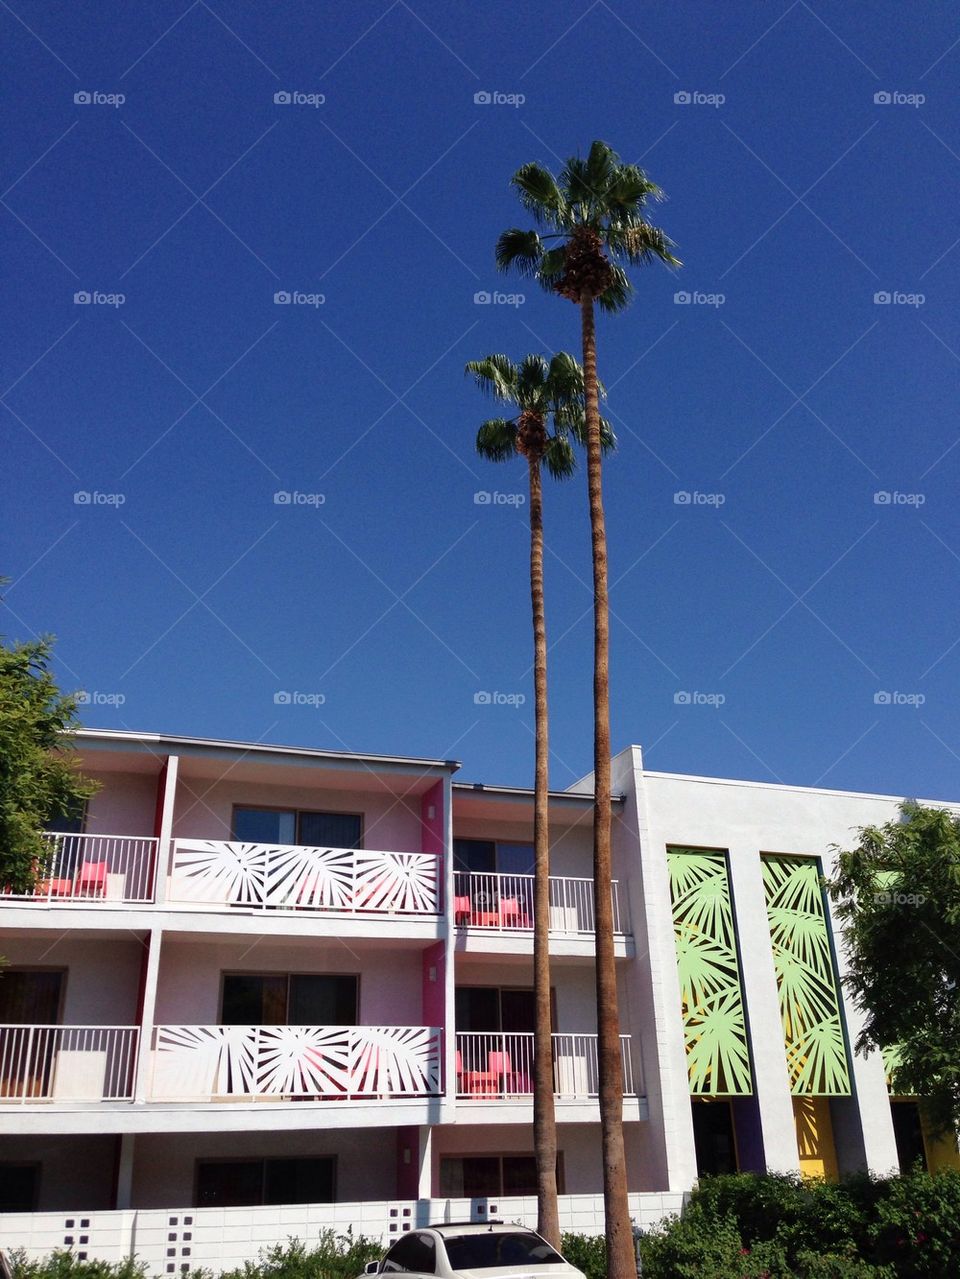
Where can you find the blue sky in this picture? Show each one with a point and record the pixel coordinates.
(783, 397)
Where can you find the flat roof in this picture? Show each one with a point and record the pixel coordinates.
(527, 792)
(107, 735)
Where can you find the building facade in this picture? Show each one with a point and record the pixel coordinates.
(267, 990)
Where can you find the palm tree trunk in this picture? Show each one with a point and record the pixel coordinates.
(621, 1260)
(544, 1119)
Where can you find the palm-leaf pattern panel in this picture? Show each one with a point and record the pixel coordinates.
(806, 979)
(715, 1033)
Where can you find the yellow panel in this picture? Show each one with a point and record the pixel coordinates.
(818, 1154)
(941, 1153)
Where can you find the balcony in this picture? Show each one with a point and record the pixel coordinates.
(67, 1063)
(218, 873)
(83, 869)
(505, 903)
(294, 1063)
(500, 1066)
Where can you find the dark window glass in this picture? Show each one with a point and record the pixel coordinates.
(264, 826)
(475, 855)
(495, 1248)
(713, 1138)
(251, 999)
(414, 1252)
(515, 859)
(908, 1132)
(322, 1001)
(19, 1184)
(68, 821)
(299, 1181)
(230, 1183)
(519, 1175)
(481, 1176)
(30, 998)
(330, 830)
(477, 1008)
(517, 1011)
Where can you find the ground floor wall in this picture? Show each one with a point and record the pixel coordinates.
(69, 1171)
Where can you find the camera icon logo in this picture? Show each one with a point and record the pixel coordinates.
(282, 98)
(882, 98)
(82, 698)
(882, 699)
(482, 298)
(682, 98)
(482, 98)
(681, 698)
(681, 498)
(482, 699)
(82, 298)
(82, 98)
(282, 298)
(882, 298)
(882, 498)
(81, 498)
(481, 498)
(683, 298)
(282, 699)
(282, 498)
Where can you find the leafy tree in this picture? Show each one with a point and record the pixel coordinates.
(897, 895)
(38, 776)
(595, 220)
(544, 394)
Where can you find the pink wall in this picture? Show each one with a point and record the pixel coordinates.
(124, 805)
(204, 811)
(433, 827)
(188, 990)
(408, 1162)
(571, 847)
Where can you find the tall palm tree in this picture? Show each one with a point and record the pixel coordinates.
(594, 216)
(544, 394)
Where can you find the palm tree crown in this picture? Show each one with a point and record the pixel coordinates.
(597, 208)
(545, 393)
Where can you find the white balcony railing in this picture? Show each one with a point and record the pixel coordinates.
(67, 1063)
(93, 868)
(505, 903)
(320, 1063)
(291, 877)
(501, 1065)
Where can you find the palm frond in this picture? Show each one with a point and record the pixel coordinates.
(496, 440)
(603, 164)
(566, 376)
(559, 457)
(620, 292)
(532, 381)
(496, 375)
(629, 188)
(540, 194)
(520, 250)
(641, 243)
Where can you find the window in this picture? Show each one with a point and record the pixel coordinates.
(19, 1186)
(414, 1252)
(292, 826)
(488, 872)
(28, 997)
(497, 1249)
(487, 1176)
(492, 1010)
(908, 1133)
(713, 1138)
(240, 1183)
(68, 821)
(288, 999)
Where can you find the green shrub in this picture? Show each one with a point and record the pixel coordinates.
(587, 1252)
(64, 1264)
(331, 1256)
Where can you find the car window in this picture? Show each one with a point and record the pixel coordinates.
(485, 1251)
(414, 1252)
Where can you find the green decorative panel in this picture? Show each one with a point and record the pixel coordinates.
(718, 1058)
(806, 978)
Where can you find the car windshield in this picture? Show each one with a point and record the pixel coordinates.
(488, 1251)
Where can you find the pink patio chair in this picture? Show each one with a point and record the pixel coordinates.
(92, 880)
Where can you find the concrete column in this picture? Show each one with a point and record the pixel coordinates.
(145, 1059)
(124, 1193)
(655, 986)
(426, 1162)
(764, 1026)
(165, 831)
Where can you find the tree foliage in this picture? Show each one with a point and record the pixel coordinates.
(897, 895)
(38, 774)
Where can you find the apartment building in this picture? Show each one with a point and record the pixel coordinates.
(265, 990)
